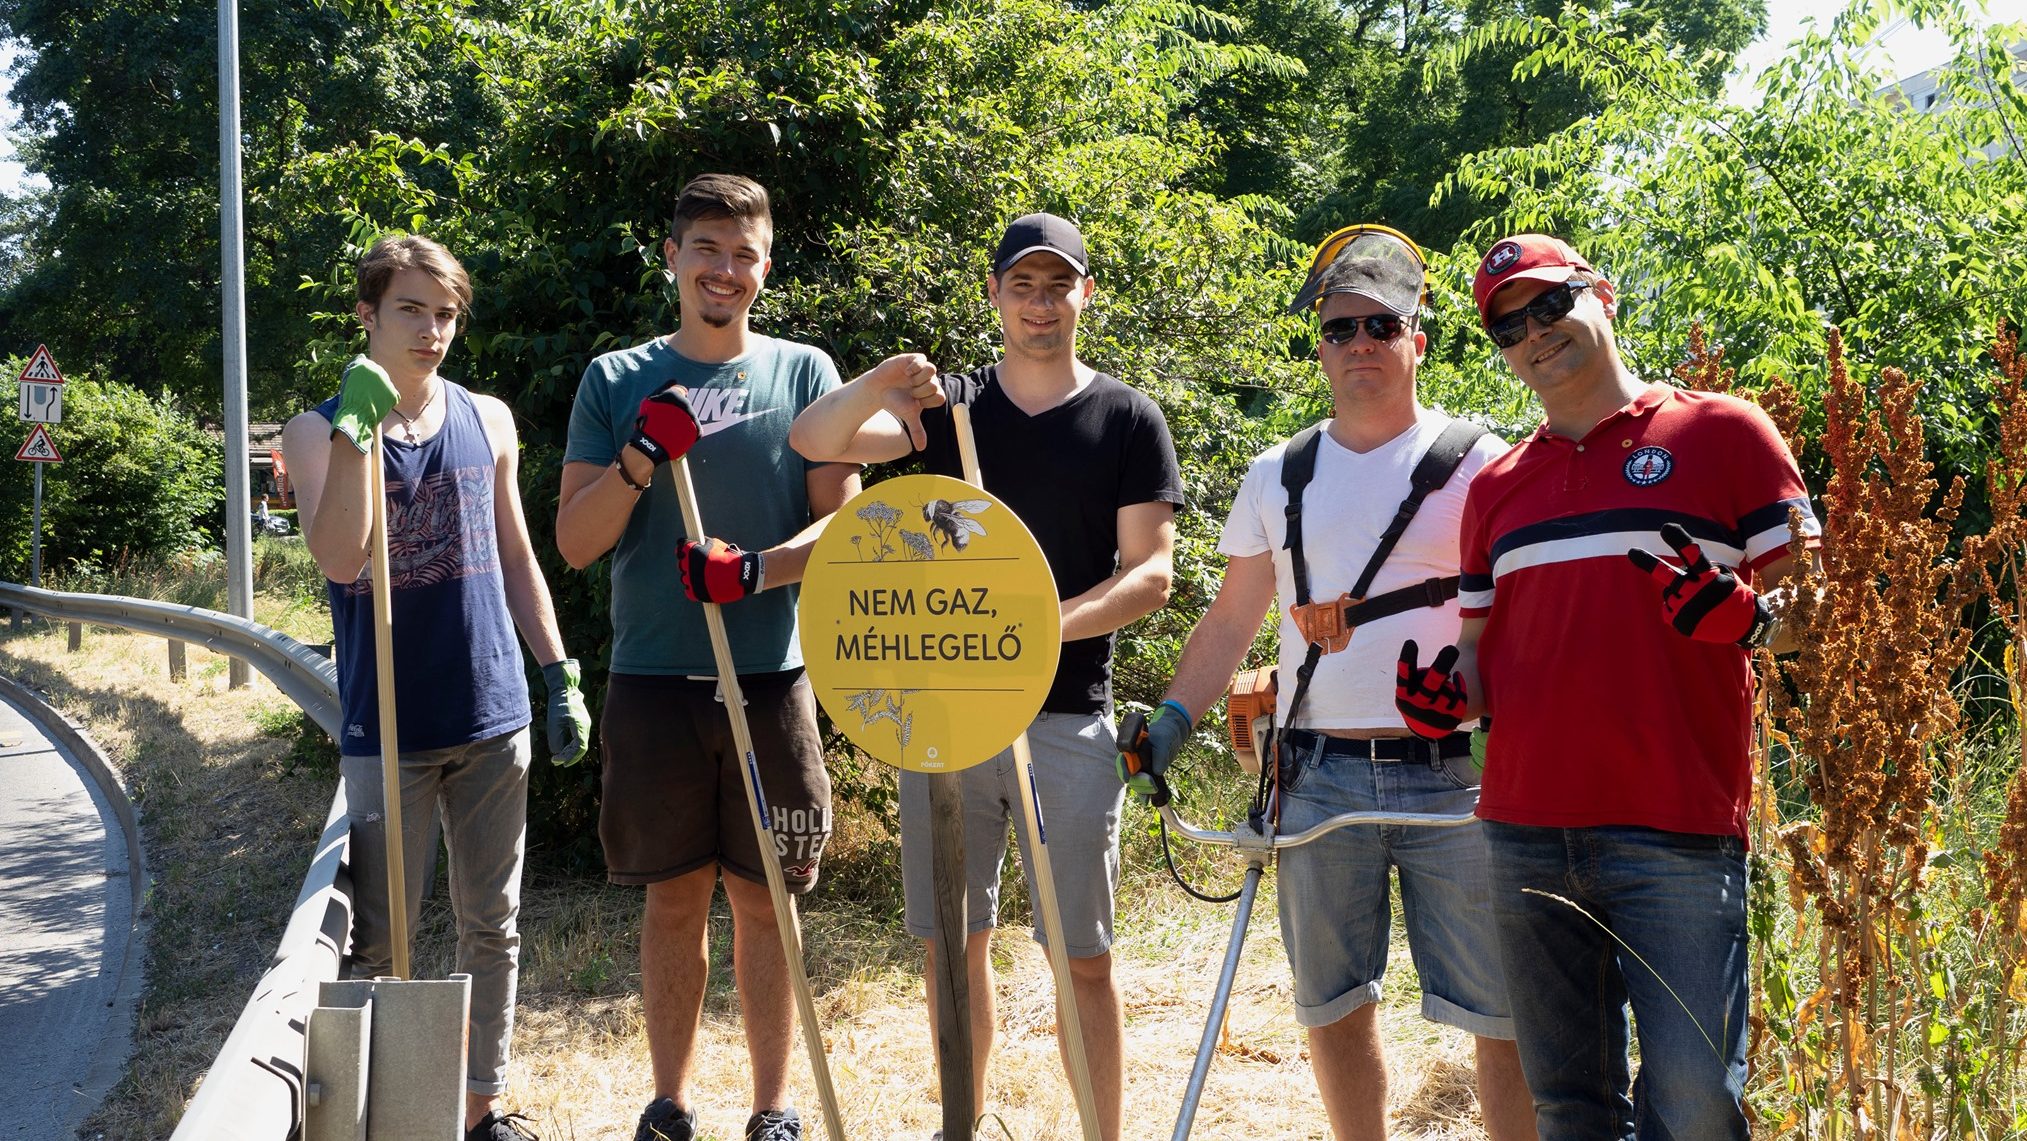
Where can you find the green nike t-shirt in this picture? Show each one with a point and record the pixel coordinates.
(751, 490)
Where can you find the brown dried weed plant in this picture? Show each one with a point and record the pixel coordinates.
(1867, 712)
(2000, 559)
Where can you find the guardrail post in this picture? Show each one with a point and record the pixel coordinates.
(76, 636)
(413, 1074)
(336, 1073)
(177, 668)
(14, 623)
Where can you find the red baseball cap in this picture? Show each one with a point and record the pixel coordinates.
(1522, 257)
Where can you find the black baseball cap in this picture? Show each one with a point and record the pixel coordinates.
(1037, 233)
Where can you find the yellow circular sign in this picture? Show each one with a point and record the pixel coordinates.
(930, 623)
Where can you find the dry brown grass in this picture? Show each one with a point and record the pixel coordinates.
(227, 825)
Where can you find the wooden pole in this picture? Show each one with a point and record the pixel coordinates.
(1068, 1024)
(952, 978)
(756, 803)
(390, 741)
(177, 666)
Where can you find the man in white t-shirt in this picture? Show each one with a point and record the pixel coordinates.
(1350, 748)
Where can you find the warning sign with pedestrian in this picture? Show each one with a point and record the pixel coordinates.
(41, 399)
(38, 448)
(42, 368)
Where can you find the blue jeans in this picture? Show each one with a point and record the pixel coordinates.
(1333, 892)
(1662, 928)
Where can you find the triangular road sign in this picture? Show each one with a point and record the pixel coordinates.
(38, 448)
(41, 368)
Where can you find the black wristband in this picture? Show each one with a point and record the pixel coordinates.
(1761, 633)
(619, 465)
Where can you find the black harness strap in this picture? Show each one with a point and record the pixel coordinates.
(1298, 467)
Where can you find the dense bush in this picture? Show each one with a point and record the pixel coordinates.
(139, 479)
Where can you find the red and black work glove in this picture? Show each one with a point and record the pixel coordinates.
(1704, 600)
(1431, 700)
(717, 571)
(665, 427)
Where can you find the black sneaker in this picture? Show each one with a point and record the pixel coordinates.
(774, 1125)
(662, 1121)
(497, 1126)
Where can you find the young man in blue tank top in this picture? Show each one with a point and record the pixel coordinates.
(673, 813)
(464, 579)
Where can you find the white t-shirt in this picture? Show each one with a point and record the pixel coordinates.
(1345, 509)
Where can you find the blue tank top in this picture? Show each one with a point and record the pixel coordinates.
(457, 668)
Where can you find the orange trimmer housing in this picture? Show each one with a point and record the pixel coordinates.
(1249, 715)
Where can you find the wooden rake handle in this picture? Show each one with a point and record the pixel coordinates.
(390, 736)
(777, 888)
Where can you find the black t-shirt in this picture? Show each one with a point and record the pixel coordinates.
(1066, 473)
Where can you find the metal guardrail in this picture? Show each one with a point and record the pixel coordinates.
(254, 1090)
(308, 678)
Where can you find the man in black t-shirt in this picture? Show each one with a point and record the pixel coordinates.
(1087, 464)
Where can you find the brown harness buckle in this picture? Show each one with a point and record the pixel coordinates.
(1324, 622)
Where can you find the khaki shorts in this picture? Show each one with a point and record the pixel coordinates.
(1080, 802)
(672, 799)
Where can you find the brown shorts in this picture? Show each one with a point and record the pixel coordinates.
(672, 798)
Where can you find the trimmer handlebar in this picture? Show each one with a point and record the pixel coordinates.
(1248, 840)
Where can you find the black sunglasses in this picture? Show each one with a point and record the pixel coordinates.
(1380, 327)
(1509, 329)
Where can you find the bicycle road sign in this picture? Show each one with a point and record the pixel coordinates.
(38, 448)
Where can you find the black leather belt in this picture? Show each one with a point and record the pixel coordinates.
(1382, 749)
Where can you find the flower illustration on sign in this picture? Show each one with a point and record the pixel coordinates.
(884, 705)
(880, 519)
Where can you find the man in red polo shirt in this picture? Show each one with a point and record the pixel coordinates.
(1619, 683)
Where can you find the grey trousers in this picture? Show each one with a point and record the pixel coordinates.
(475, 797)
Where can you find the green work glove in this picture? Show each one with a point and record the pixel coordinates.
(1479, 737)
(365, 397)
(1148, 742)
(569, 721)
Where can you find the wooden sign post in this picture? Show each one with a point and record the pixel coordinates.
(931, 631)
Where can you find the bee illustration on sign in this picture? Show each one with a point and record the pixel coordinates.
(951, 522)
(950, 527)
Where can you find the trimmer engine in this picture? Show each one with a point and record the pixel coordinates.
(1249, 715)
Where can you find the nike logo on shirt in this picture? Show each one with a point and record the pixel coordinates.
(719, 424)
(717, 409)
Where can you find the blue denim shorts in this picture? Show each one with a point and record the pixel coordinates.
(1335, 902)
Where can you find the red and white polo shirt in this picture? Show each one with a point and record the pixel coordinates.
(1602, 713)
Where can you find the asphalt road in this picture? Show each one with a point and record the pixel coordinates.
(67, 971)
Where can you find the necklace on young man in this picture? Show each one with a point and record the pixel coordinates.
(408, 421)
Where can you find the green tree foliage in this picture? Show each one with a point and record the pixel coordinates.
(1368, 131)
(1828, 204)
(896, 144)
(120, 98)
(139, 480)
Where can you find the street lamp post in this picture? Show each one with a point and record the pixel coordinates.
(238, 506)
